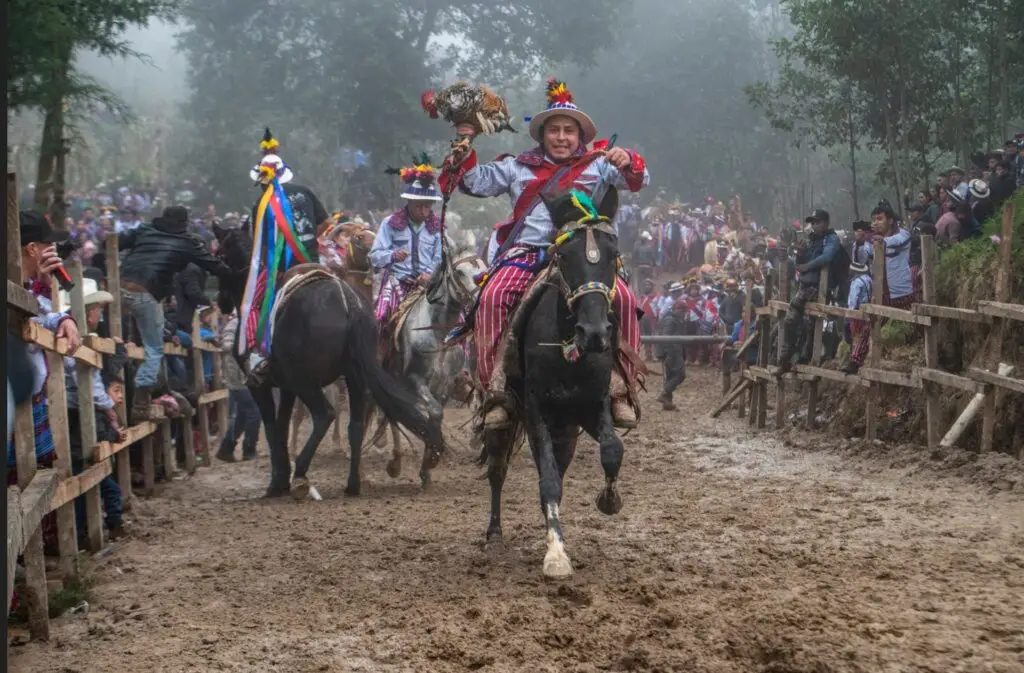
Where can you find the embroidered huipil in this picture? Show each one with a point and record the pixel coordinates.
(421, 241)
(510, 175)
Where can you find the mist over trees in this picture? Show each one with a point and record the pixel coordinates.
(789, 103)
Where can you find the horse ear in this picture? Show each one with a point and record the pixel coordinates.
(219, 231)
(609, 204)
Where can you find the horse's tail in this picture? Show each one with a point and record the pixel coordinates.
(395, 402)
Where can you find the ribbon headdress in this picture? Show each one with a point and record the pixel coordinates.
(274, 240)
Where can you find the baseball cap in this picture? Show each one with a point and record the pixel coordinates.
(818, 214)
(35, 228)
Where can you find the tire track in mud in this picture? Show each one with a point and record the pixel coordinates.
(733, 553)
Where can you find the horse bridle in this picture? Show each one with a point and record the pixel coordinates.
(461, 295)
(588, 225)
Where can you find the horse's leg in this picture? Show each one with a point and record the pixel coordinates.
(322, 412)
(357, 406)
(298, 415)
(338, 401)
(601, 428)
(394, 467)
(498, 443)
(279, 463)
(421, 388)
(556, 562)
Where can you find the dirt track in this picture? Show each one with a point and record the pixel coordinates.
(734, 553)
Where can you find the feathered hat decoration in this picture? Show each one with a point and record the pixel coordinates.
(420, 179)
(271, 165)
(562, 103)
(269, 144)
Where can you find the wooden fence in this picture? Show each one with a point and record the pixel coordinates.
(987, 383)
(40, 491)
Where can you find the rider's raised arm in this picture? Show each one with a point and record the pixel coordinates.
(380, 253)
(491, 179)
(634, 178)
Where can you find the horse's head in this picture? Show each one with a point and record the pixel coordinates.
(586, 256)
(234, 248)
(360, 242)
(454, 283)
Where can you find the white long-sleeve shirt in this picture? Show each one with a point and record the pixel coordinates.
(511, 175)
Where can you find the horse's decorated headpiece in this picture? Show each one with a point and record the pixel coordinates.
(420, 179)
(271, 165)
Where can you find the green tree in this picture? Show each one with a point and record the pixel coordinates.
(324, 75)
(43, 38)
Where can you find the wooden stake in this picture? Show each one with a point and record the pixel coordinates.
(933, 405)
(873, 405)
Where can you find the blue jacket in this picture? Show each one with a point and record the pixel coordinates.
(818, 254)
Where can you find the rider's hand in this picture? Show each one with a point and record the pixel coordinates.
(465, 130)
(423, 279)
(619, 158)
(400, 255)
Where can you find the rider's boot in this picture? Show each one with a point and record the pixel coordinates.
(258, 375)
(623, 414)
(496, 417)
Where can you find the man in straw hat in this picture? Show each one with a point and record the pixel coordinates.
(560, 161)
(408, 246)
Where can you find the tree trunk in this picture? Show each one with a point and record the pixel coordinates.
(853, 155)
(50, 168)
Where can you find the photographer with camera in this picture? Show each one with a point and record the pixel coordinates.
(820, 249)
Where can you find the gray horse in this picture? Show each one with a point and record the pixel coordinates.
(420, 360)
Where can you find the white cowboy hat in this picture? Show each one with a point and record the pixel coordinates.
(560, 103)
(979, 189)
(281, 170)
(646, 235)
(93, 295)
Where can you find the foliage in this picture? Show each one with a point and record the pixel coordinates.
(897, 333)
(325, 75)
(43, 36)
(912, 81)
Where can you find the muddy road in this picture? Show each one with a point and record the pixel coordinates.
(734, 552)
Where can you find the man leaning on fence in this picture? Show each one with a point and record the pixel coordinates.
(156, 252)
(817, 252)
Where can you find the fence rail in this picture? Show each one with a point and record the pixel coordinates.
(986, 383)
(41, 491)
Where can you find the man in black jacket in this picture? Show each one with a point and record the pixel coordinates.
(189, 294)
(156, 252)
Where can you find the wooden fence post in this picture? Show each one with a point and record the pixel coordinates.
(780, 384)
(816, 352)
(933, 406)
(764, 326)
(86, 414)
(218, 384)
(748, 317)
(67, 528)
(874, 344)
(122, 460)
(998, 333)
(199, 382)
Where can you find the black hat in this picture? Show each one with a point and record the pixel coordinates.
(35, 228)
(861, 225)
(94, 273)
(176, 214)
(915, 207)
(818, 214)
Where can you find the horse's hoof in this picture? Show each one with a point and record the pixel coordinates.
(352, 491)
(557, 565)
(425, 482)
(609, 502)
(300, 488)
(394, 468)
(433, 460)
(276, 491)
(382, 442)
(494, 541)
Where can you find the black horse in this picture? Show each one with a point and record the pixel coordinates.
(567, 345)
(323, 332)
